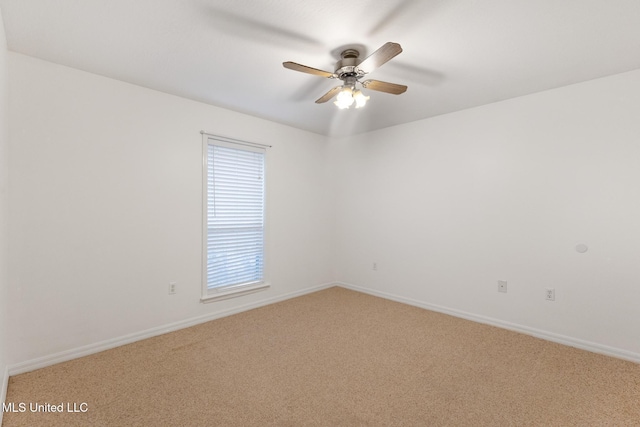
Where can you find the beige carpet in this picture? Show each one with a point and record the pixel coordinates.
(335, 358)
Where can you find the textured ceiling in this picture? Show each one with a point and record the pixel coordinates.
(457, 53)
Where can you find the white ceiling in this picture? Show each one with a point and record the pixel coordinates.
(457, 53)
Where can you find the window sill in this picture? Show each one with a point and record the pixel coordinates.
(232, 293)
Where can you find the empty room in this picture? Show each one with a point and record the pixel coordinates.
(284, 213)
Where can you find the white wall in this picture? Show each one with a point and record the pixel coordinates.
(4, 226)
(449, 205)
(105, 207)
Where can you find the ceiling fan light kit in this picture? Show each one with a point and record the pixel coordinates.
(350, 70)
(347, 96)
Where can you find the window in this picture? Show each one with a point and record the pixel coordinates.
(233, 217)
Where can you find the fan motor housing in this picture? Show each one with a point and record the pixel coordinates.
(346, 67)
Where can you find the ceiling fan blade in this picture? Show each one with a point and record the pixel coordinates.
(392, 88)
(327, 96)
(380, 57)
(304, 69)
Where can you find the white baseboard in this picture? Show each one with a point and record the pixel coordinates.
(545, 335)
(3, 391)
(43, 362)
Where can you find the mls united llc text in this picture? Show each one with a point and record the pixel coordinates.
(45, 407)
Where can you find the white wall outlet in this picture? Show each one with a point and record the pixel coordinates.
(375, 266)
(172, 287)
(502, 286)
(550, 294)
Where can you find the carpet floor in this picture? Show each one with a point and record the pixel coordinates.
(333, 358)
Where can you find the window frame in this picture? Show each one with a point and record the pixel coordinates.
(231, 291)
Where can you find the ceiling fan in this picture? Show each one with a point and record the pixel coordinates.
(350, 69)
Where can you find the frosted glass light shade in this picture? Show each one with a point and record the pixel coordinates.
(345, 98)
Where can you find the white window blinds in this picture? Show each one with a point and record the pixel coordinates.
(234, 215)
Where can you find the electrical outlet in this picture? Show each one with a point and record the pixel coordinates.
(502, 286)
(375, 266)
(550, 294)
(172, 287)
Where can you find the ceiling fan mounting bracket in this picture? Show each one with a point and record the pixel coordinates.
(349, 53)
